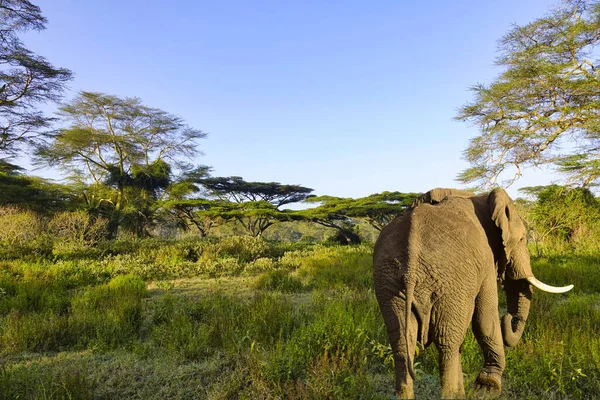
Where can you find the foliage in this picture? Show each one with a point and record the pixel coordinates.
(26, 79)
(235, 189)
(377, 209)
(253, 205)
(543, 108)
(199, 213)
(19, 226)
(561, 217)
(254, 216)
(342, 214)
(29, 192)
(77, 228)
(119, 143)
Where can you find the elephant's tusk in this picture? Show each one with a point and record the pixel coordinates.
(548, 288)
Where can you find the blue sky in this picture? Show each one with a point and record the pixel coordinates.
(349, 98)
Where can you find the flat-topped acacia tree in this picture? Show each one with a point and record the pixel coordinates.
(254, 205)
(377, 210)
(340, 213)
(236, 189)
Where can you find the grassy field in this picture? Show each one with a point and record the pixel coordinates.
(243, 318)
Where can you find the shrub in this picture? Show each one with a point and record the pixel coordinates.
(77, 229)
(279, 280)
(262, 264)
(244, 248)
(19, 226)
(339, 266)
(227, 266)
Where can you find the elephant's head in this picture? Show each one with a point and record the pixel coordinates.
(514, 262)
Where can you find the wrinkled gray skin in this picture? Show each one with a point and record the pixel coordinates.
(444, 256)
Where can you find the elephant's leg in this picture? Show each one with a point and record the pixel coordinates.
(452, 319)
(459, 373)
(403, 353)
(392, 308)
(486, 328)
(451, 378)
(392, 304)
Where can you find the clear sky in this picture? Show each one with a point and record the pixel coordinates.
(349, 98)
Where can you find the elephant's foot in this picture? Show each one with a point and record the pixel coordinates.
(489, 382)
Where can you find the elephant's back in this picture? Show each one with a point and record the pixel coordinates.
(448, 238)
(436, 240)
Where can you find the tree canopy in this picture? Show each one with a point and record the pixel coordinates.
(377, 209)
(26, 79)
(203, 214)
(235, 189)
(32, 193)
(254, 205)
(544, 108)
(119, 143)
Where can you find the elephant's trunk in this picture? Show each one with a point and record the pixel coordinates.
(518, 301)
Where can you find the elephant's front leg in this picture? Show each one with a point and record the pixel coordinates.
(486, 328)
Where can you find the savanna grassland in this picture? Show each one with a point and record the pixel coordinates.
(241, 317)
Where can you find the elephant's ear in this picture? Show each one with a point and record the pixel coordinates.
(501, 209)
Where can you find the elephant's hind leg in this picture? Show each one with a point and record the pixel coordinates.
(486, 328)
(403, 354)
(451, 318)
(393, 308)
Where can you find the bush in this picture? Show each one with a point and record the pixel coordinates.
(19, 226)
(349, 266)
(259, 265)
(75, 229)
(244, 248)
(279, 280)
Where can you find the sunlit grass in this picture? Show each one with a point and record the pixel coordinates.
(277, 322)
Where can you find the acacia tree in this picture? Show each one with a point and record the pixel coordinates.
(377, 210)
(254, 205)
(119, 143)
(26, 79)
(332, 218)
(203, 214)
(235, 189)
(544, 108)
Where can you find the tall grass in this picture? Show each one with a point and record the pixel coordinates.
(308, 327)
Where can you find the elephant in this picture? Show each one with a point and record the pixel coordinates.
(435, 270)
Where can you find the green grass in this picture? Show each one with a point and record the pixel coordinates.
(244, 318)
